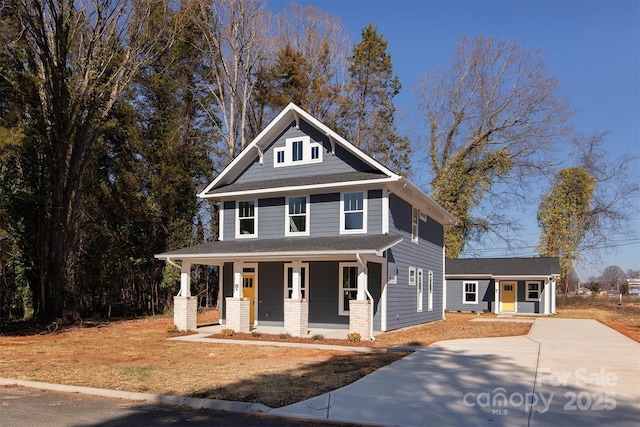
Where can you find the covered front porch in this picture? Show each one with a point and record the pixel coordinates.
(294, 285)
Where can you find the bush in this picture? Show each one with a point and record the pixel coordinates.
(256, 334)
(285, 335)
(227, 332)
(317, 337)
(354, 337)
(172, 328)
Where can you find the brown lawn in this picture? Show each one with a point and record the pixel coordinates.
(135, 355)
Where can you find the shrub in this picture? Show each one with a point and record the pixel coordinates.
(285, 335)
(256, 334)
(317, 337)
(172, 328)
(227, 332)
(354, 337)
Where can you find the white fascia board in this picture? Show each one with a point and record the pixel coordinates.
(270, 255)
(467, 276)
(523, 277)
(295, 112)
(303, 188)
(426, 204)
(248, 149)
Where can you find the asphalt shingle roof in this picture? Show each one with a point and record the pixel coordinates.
(299, 245)
(535, 266)
(298, 182)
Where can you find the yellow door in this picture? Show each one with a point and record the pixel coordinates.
(508, 297)
(248, 291)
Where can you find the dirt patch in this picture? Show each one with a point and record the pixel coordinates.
(135, 356)
(624, 316)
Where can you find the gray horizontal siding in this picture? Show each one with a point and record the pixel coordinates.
(325, 215)
(341, 162)
(271, 218)
(529, 306)
(324, 282)
(455, 295)
(426, 254)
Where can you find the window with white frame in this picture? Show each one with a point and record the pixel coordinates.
(412, 276)
(430, 291)
(420, 289)
(297, 216)
(353, 213)
(533, 291)
(392, 273)
(415, 222)
(297, 151)
(303, 277)
(470, 294)
(348, 286)
(246, 219)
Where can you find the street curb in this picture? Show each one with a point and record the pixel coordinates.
(190, 402)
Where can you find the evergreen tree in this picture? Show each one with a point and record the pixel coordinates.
(370, 114)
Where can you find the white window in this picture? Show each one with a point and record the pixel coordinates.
(297, 151)
(246, 219)
(297, 216)
(412, 276)
(533, 291)
(288, 281)
(470, 294)
(392, 273)
(415, 222)
(430, 291)
(353, 213)
(348, 286)
(420, 289)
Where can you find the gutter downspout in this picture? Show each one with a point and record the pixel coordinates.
(366, 290)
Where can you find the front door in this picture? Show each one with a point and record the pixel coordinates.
(508, 297)
(248, 291)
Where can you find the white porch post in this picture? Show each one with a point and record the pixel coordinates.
(185, 307)
(496, 298)
(185, 279)
(237, 307)
(237, 279)
(362, 284)
(296, 292)
(553, 295)
(547, 295)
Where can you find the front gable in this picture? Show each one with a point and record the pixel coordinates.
(296, 145)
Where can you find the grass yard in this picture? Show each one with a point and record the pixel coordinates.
(135, 355)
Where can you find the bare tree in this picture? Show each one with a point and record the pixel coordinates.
(612, 278)
(236, 34)
(493, 116)
(71, 60)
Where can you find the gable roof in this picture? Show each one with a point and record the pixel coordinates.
(224, 184)
(286, 247)
(492, 267)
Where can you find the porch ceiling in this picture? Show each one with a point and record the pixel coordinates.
(287, 247)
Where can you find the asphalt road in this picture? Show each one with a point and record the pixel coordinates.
(37, 408)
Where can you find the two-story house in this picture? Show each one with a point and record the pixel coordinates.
(315, 233)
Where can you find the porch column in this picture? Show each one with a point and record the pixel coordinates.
(360, 318)
(362, 282)
(553, 295)
(547, 295)
(185, 307)
(496, 297)
(237, 315)
(296, 309)
(296, 292)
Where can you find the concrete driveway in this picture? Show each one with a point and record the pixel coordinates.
(564, 372)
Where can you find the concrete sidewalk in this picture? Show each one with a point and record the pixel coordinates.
(565, 372)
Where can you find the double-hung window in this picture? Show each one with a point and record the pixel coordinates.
(348, 286)
(247, 219)
(470, 294)
(297, 151)
(353, 215)
(297, 218)
(533, 291)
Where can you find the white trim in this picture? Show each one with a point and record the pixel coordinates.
(253, 265)
(255, 220)
(415, 212)
(221, 222)
(464, 291)
(296, 268)
(307, 216)
(304, 188)
(430, 291)
(392, 267)
(341, 290)
(363, 230)
(412, 274)
(420, 290)
(307, 151)
(385, 211)
(383, 298)
(526, 291)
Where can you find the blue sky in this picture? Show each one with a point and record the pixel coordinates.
(592, 48)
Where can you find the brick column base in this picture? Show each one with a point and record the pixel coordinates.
(237, 314)
(185, 313)
(296, 317)
(360, 318)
